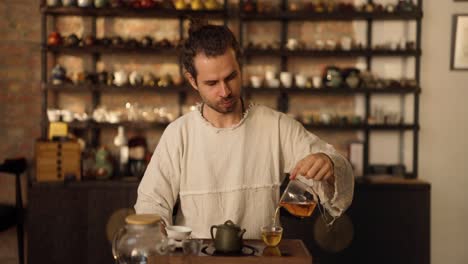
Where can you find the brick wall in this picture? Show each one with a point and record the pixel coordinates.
(20, 96)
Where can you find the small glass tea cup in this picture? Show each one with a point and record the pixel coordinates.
(272, 235)
(192, 246)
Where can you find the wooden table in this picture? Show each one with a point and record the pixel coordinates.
(292, 251)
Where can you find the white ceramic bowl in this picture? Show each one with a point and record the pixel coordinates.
(178, 232)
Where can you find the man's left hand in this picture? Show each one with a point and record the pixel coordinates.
(316, 166)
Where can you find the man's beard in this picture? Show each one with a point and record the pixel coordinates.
(218, 106)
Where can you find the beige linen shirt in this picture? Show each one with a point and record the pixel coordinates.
(234, 173)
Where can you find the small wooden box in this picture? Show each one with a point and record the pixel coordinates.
(55, 160)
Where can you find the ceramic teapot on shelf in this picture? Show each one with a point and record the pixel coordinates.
(228, 238)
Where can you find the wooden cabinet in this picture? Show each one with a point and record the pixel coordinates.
(67, 223)
(57, 160)
(391, 224)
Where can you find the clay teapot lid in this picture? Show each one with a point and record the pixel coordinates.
(229, 225)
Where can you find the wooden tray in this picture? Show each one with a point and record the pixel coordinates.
(293, 252)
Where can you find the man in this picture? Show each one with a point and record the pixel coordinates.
(227, 160)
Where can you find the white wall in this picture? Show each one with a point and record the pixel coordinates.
(444, 142)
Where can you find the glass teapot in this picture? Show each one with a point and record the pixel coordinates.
(139, 239)
(300, 199)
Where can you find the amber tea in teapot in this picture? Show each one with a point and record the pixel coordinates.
(299, 199)
(300, 209)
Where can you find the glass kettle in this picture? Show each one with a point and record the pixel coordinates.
(141, 238)
(300, 199)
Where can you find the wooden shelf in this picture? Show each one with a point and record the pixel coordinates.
(173, 51)
(99, 49)
(330, 16)
(336, 91)
(332, 53)
(116, 89)
(185, 88)
(396, 127)
(132, 12)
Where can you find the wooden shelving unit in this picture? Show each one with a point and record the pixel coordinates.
(283, 94)
(284, 17)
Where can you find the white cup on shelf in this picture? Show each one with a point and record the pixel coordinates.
(256, 81)
(317, 81)
(286, 79)
(273, 83)
(301, 80)
(67, 116)
(269, 75)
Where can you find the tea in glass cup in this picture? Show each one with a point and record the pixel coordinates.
(271, 252)
(272, 235)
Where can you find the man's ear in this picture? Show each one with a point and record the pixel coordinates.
(191, 80)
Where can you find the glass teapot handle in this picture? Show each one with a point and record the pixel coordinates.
(323, 212)
(115, 240)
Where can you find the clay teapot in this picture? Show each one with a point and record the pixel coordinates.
(71, 40)
(89, 40)
(54, 39)
(228, 238)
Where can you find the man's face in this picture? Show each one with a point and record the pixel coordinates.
(218, 81)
